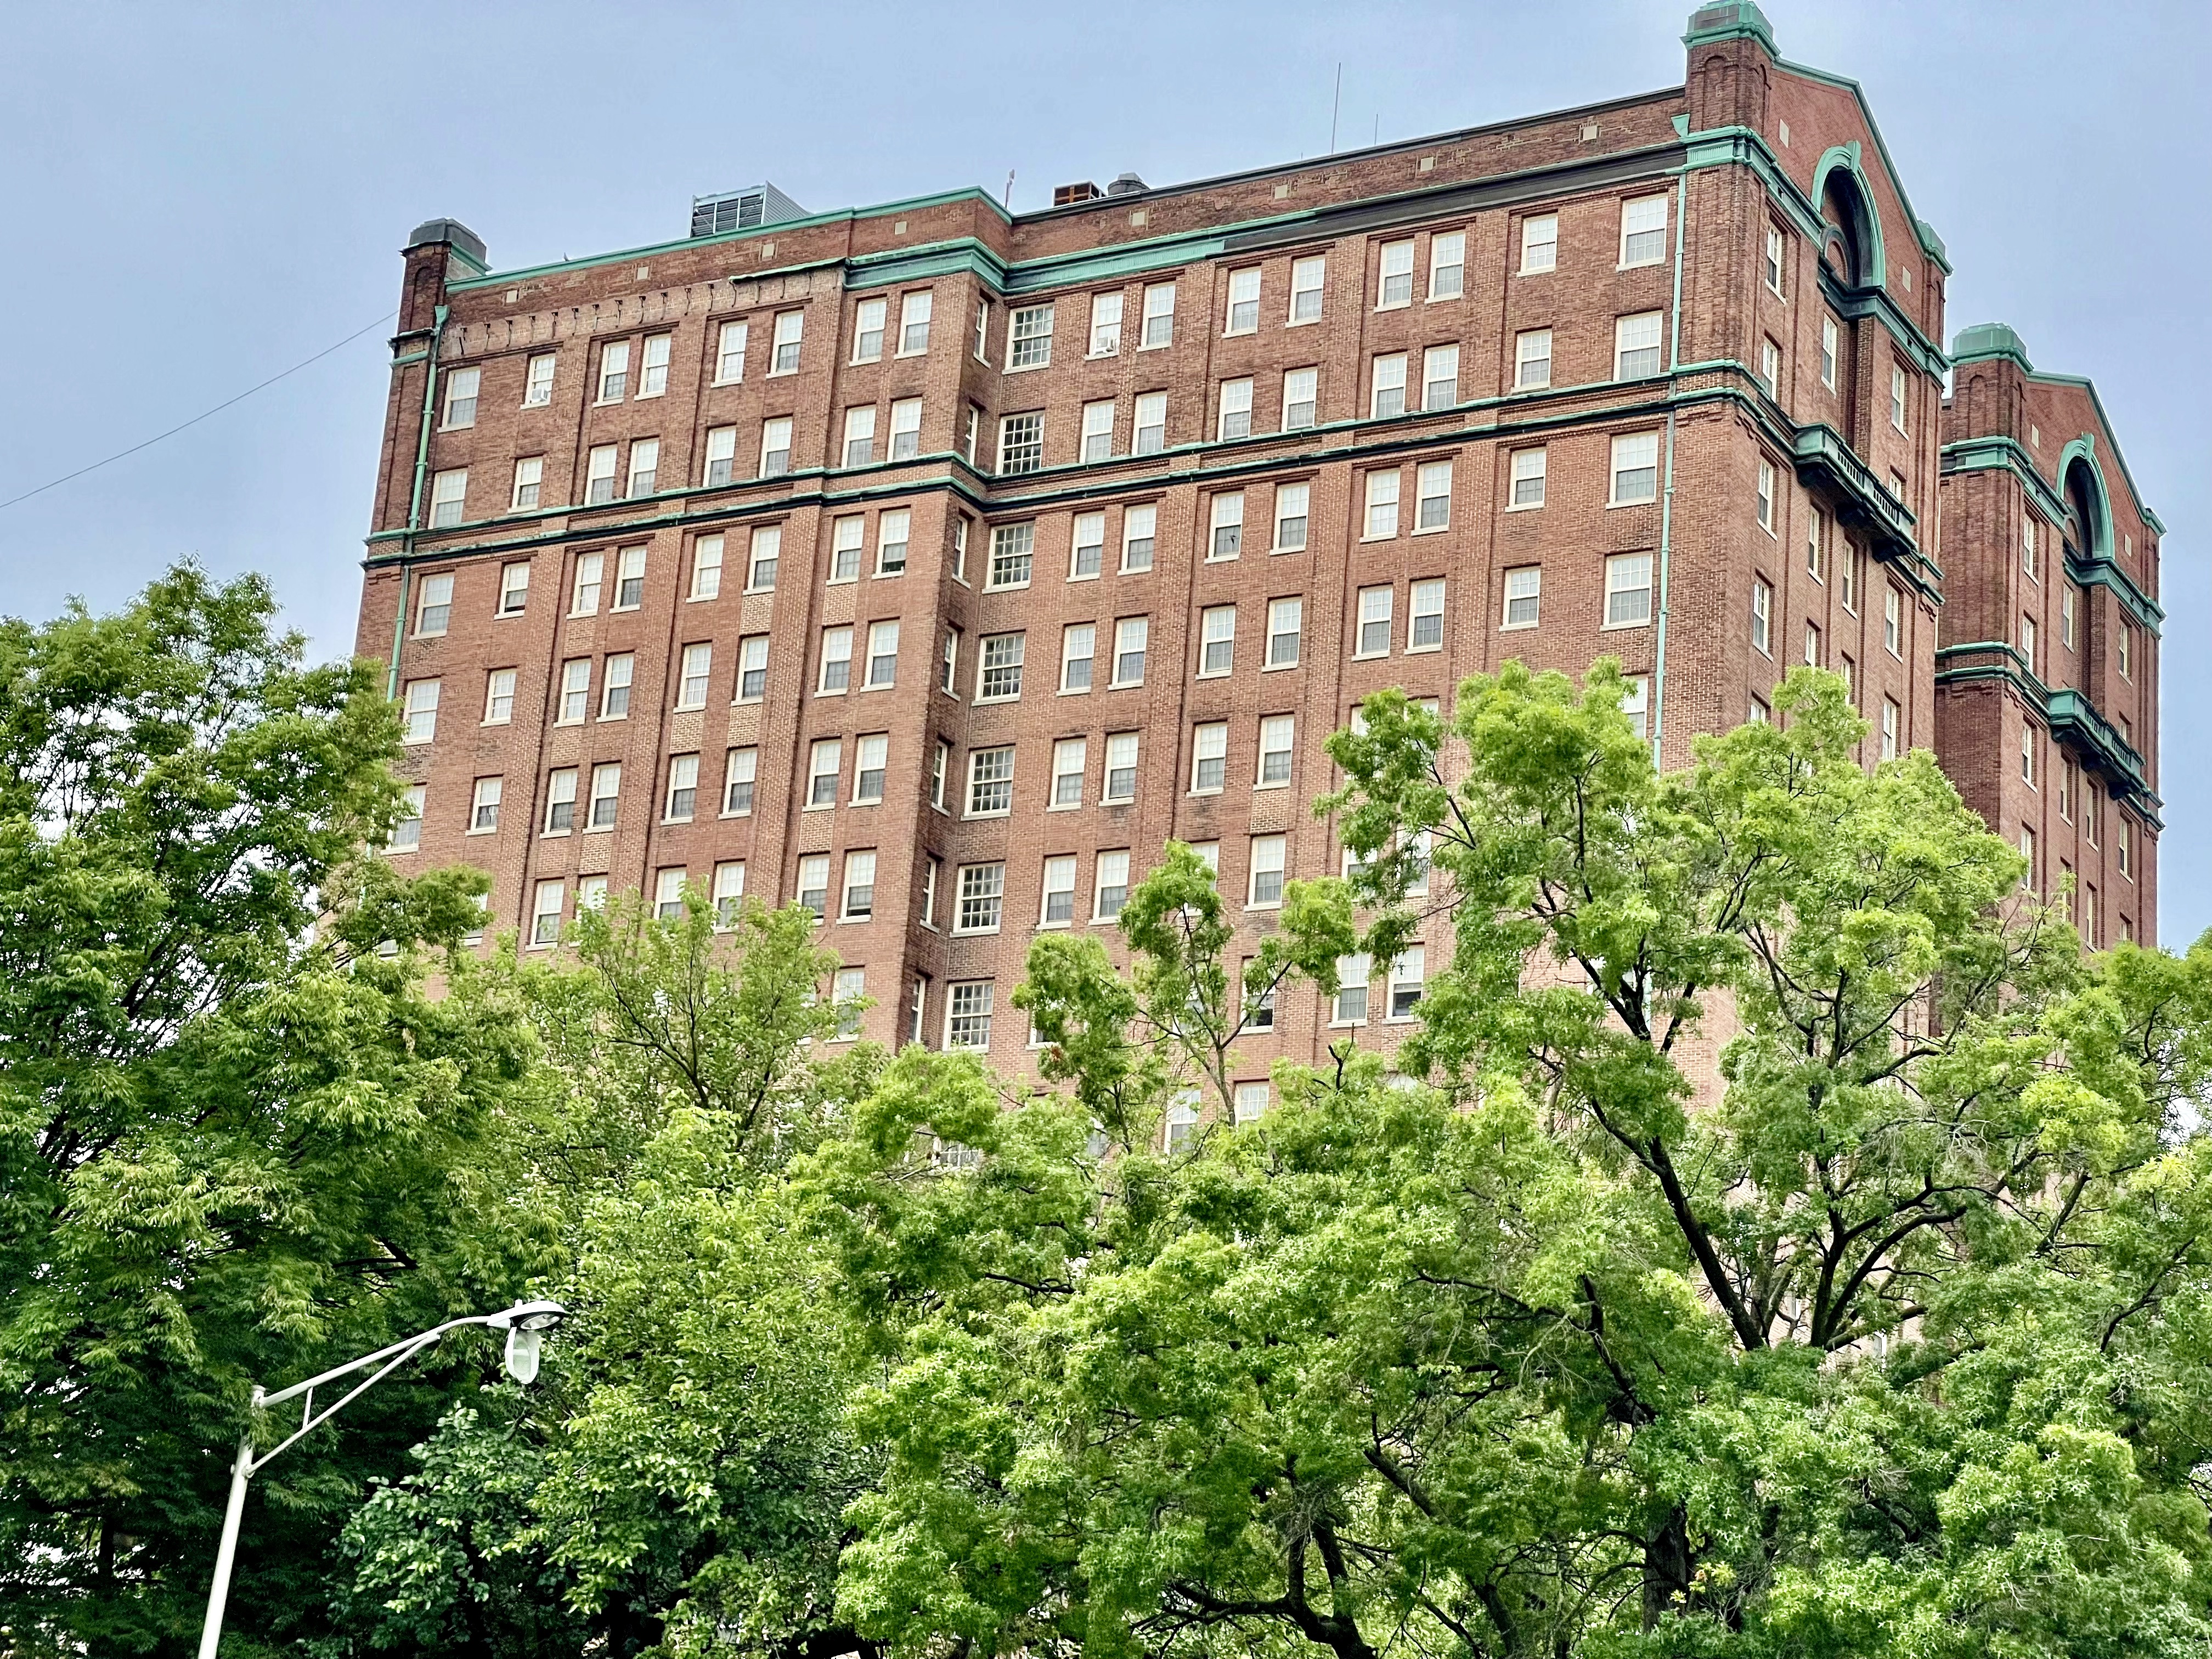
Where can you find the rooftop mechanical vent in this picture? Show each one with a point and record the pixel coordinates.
(742, 210)
(1128, 185)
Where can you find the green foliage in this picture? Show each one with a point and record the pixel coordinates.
(227, 1133)
(1888, 1340)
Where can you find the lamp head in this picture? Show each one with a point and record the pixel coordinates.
(526, 1324)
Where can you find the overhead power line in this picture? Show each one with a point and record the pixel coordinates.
(55, 483)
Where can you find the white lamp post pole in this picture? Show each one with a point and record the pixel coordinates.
(525, 1324)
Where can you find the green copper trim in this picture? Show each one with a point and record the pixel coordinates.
(1823, 456)
(2084, 450)
(1855, 303)
(1931, 244)
(2071, 717)
(1845, 158)
(1729, 20)
(1999, 454)
(1986, 340)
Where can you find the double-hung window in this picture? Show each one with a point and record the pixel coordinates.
(1382, 521)
(1300, 398)
(1013, 550)
(1635, 468)
(1243, 302)
(1079, 644)
(1269, 854)
(848, 534)
(790, 326)
(1394, 281)
(1427, 630)
(683, 788)
(1130, 635)
(1138, 527)
(1642, 230)
(860, 435)
(742, 770)
(1372, 638)
(538, 381)
(998, 676)
(721, 456)
(1236, 418)
(1021, 442)
(1291, 505)
(762, 558)
(435, 609)
(513, 588)
(894, 527)
(906, 429)
(729, 353)
(1532, 360)
(1540, 243)
(775, 447)
(614, 371)
(991, 781)
(1209, 758)
(692, 677)
(1446, 265)
(1628, 590)
(1029, 341)
(913, 323)
(883, 655)
(1121, 769)
(617, 677)
(825, 763)
(1105, 324)
(1069, 758)
(528, 480)
(1227, 537)
(1637, 344)
(420, 723)
(1439, 378)
(868, 765)
(1527, 479)
(1086, 556)
(837, 669)
(1217, 646)
(1307, 277)
(1159, 315)
(1524, 594)
(1432, 482)
(1151, 426)
(448, 496)
(1277, 732)
(653, 382)
(868, 320)
(1285, 622)
(1386, 385)
(1098, 430)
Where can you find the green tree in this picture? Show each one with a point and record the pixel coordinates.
(1775, 1239)
(227, 1119)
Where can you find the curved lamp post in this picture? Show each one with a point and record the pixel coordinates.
(526, 1324)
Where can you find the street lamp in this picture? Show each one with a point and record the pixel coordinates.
(526, 1324)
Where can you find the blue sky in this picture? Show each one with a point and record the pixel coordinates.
(204, 195)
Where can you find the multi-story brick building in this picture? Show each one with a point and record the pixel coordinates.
(2046, 673)
(935, 565)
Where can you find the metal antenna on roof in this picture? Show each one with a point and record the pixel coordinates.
(1010, 190)
(1334, 104)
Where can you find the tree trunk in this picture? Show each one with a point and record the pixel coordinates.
(1667, 1566)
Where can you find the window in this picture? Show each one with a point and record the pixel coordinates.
(1762, 615)
(1373, 638)
(407, 830)
(775, 447)
(1137, 525)
(615, 683)
(419, 722)
(1382, 520)
(981, 898)
(1057, 907)
(882, 655)
(2124, 652)
(1028, 341)
(1427, 631)
(483, 806)
(2027, 754)
(1387, 385)
(529, 476)
(1773, 265)
(1815, 530)
(1769, 367)
(1891, 720)
(2068, 608)
(1433, 481)
(975, 424)
(1110, 888)
(752, 668)
(606, 790)
(1265, 886)
(967, 1015)
(981, 345)
(499, 696)
(698, 666)
(1642, 230)
(1236, 408)
(1893, 621)
(991, 781)
(1847, 577)
(1306, 278)
(1848, 670)
(1130, 634)
(721, 456)
(1764, 498)
(814, 883)
(1209, 758)
(1524, 592)
(906, 429)
(2027, 548)
(1628, 590)
(790, 325)
(682, 788)
(1013, 549)
(1532, 359)
(2093, 811)
(1217, 640)
(2123, 844)
(1105, 324)
(846, 536)
(1406, 979)
(1021, 442)
(825, 760)
(1446, 265)
(1350, 1006)
(741, 771)
(561, 800)
(849, 985)
(1527, 479)
(599, 475)
(861, 436)
(948, 665)
(1812, 645)
(1227, 539)
(999, 677)
(1277, 733)
(1087, 547)
(1759, 713)
(546, 904)
(1098, 430)
(837, 670)
(1259, 1000)
(2066, 789)
(1077, 648)
(1540, 243)
(1828, 352)
(760, 562)
(1439, 377)
(1636, 345)
(1300, 397)
(1152, 423)
(538, 381)
(893, 528)
(729, 353)
(1121, 769)
(1159, 315)
(1289, 517)
(1181, 1126)
(514, 589)
(1636, 703)
(940, 764)
(860, 887)
(1243, 302)
(1395, 287)
(614, 371)
(868, 318)
(1635, 468)
(1285, 618)
(1897, 396)
(629, 578)
(575, 692)
(435, 607)
(1070, 755)
(2027, 642)
(448, 491)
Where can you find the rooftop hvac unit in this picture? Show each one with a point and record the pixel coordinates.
(742, 210)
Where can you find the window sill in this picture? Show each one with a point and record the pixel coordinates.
(1629, 626)
(1515, 627)
(1197, 793)
(1155, 345)
(1524, 507)
(1259, 787)
(545, 834)
(747, 813)
(1439, 299)
(747, 702)
(1300, 322)
(1276, 668)
(1369, 656)
(1424, 650)
(1065, 806)
(780, 373)
(1393, 304)
(402, 852)
(1650, 500)
(543, 403)
(1431, 529)
(493, 829)
(1026, 368)
(735, 380)
(597, 829)
(881, 575)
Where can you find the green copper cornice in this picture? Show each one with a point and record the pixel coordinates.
(2001, 454)
(1931, 244)
(2073, 720)
(1844, 158)
(1823, 457)
(1729, 20)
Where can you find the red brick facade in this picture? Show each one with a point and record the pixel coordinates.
(1744, 232)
